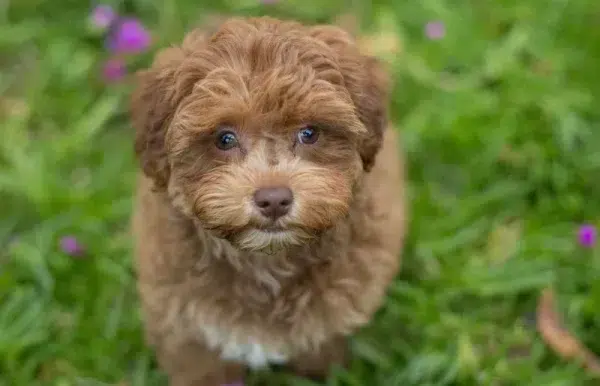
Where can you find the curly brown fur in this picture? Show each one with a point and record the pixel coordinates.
(222, 286)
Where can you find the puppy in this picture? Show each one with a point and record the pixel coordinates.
(270, 213)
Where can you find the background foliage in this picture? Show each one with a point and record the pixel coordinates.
(500, 122)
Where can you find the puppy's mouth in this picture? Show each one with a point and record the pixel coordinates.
(266, 236)
(272, 229)
(274, 236)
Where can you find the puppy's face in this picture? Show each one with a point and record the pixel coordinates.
(264, 142)
(266, 158)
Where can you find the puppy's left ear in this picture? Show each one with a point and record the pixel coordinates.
(368, 84)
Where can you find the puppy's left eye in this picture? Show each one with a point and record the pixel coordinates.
(308, 135)
(226, 140)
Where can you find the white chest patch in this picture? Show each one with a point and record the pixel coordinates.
(244, 350)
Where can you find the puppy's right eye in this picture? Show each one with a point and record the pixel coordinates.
(226, 140)
(308, 135)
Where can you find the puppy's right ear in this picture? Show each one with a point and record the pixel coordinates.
(158, 92)
(153, 103)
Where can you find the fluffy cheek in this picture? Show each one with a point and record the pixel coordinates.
(220, 199)
(321, 197)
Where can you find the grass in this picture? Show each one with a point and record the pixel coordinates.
(500, 121)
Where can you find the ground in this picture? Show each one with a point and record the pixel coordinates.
(498, 104)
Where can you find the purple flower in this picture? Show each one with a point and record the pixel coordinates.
(587, 235)
(129, 36)
(114, 70)
(435, 30)
(102, 16)
(71, 246)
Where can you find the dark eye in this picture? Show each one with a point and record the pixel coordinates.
(308, 135)
(226, 140)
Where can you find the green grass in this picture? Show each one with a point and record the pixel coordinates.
(500, 121)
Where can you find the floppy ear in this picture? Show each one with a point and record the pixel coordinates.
(152, 106)
(368, 85)
(158, 92)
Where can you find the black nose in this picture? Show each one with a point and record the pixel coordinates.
(273, 202)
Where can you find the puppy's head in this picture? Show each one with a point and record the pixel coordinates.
(261, 130)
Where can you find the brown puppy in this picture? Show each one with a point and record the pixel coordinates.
(270, 214)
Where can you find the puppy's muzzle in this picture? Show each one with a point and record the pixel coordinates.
(274, 202)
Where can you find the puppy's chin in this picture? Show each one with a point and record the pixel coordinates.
(259, 240)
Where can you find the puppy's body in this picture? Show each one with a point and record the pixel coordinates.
(221, 288)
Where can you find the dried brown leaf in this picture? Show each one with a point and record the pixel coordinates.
(561, 340)
(13, 107)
